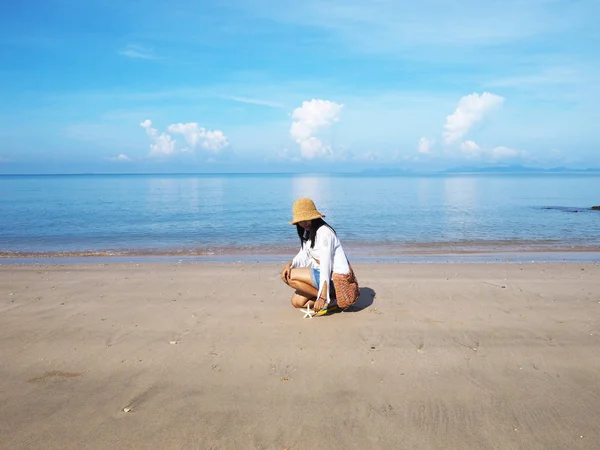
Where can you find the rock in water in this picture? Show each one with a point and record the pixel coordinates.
(596, 208)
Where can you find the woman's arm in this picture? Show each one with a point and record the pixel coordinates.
(285, 273)
(326, 242)
(321, 301)
(302, 259)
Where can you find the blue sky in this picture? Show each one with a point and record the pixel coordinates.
(331, 85)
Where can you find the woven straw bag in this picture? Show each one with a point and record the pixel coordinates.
(346, 288)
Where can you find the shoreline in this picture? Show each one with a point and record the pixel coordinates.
(489, 251)
(507, 256)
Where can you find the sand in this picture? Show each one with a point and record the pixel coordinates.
(212, 356)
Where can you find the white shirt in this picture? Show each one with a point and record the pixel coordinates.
(330, 254)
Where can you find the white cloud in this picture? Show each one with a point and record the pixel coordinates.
(495, 154)
(425, 145)
(313, 116)
(254, 101)
(371, 156)
(471, 109)
(313, 147)
(137, 52)
(411, 29)
(191, 132)
(147, 124)
(121, 158)
(163, 144)
(501, 152)
(471, 148)
(213, 141)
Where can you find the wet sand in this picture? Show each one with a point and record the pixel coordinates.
(212, 356)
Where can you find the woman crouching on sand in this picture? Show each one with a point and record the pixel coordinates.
(320, 273)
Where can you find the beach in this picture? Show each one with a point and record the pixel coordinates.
(213, 356)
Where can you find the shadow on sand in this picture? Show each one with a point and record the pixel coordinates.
(367, 295)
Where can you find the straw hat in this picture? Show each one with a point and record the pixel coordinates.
(305, 209)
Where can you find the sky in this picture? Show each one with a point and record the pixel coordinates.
(317, 85)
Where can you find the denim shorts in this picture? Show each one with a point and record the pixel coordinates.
(315, 275)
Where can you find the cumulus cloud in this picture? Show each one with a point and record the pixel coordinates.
(471, 109)
(494, 154)
(120, 158)
(163, 144)
(425, 145)
(213, 141)
(310, 118)
(471, 148)
(501, 152)
(194, 135)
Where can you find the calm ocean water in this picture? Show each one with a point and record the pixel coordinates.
(217, 214)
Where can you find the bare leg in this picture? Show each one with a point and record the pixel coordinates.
(300, 301)
(301, 280)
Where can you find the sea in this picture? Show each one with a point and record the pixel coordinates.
(245, 217)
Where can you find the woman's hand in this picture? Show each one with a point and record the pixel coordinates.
(285, 273)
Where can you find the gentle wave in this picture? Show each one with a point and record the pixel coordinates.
(354, 251)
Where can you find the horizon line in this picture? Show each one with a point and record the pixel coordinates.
(457, 171)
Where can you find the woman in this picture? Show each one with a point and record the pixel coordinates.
(321, 264)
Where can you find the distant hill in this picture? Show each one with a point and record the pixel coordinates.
(485, 169)
(517, 169)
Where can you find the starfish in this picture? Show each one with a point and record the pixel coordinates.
(308, 312)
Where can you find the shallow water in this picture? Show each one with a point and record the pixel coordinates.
(375, 216)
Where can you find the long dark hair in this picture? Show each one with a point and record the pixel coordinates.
(311, 233)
